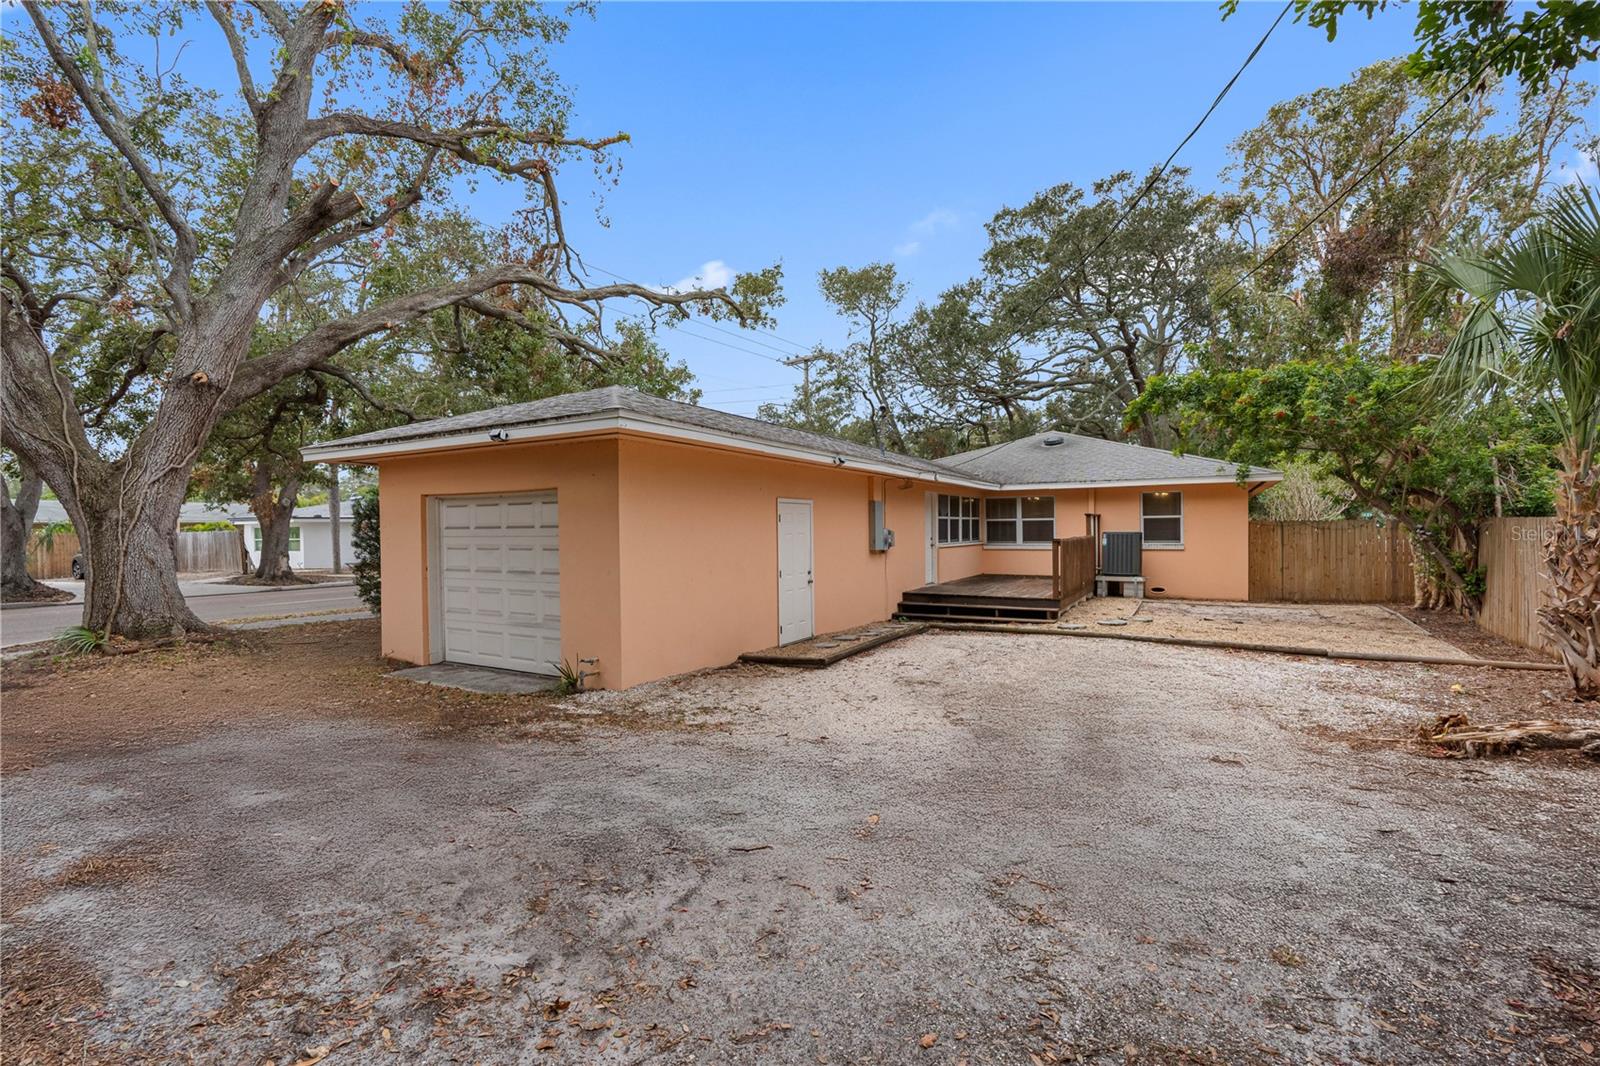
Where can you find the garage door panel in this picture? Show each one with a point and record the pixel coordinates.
(522, 515)
(500, 585)
(523, 560)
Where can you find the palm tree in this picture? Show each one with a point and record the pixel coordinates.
(1533, 330)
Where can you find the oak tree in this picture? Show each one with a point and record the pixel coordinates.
(151, 219)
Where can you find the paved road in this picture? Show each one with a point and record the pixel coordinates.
(31, 624)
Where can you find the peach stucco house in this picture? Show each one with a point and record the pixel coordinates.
(654, 537)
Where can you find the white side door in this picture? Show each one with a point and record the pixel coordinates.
(499, 581)
(930, 565)
(795, 579)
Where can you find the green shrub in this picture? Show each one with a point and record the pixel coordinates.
(364, 539)
(206, 527)
(80, 640)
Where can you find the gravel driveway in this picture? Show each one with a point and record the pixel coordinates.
(1001, 847)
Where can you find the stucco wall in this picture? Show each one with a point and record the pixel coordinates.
(700, 552)
(669, 551)
(583, 474)
(1213, 564)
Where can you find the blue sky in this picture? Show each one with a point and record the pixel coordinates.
(839, 134)
(821, 135)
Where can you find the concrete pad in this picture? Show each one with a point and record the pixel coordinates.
(478, 679)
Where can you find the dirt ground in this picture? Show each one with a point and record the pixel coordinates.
(1341, 626)
(1011, 848)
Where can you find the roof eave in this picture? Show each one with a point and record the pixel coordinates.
(625, 421)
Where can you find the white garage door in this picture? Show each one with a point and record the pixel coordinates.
(500, 581)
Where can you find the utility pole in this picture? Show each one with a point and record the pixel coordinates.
(334, 517)
(804, 363)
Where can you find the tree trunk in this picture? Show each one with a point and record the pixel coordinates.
(16, 530)
(1570, 615)
(276, 516)
(125, 510)
(335, 519)
(131, 579)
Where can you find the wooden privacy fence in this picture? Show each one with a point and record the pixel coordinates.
(211, 550)
(1511, 550)
(55, 560)
(1071, 569)
(1348, 561)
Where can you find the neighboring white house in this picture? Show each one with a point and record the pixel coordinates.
(310, 537)
(191, 513)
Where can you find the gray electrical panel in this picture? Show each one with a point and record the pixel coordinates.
(1121, 554)
(879, 539)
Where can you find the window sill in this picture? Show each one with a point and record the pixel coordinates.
(1162, 547)
(960, 544)
(1041, 546)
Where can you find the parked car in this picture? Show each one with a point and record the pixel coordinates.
(78, 569)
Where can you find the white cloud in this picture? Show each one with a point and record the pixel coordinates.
(1583, 168)
(928, 226)
(935, 221)
(714, 274)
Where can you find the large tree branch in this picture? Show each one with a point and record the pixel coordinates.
(361, 390)
(596, 355)
(118, 135)
(330, 238)
(255, 376)
(396, 51)
(241, 57)
(275, 16)
(458, 141)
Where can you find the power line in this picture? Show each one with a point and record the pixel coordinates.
(678, 327)
(1150, 182)
(1348, 189)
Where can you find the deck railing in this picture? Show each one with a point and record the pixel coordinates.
(1071, 569)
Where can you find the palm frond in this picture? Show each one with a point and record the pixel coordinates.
(1534, 323)
(80, 640)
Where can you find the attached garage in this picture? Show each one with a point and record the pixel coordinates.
(497, 581)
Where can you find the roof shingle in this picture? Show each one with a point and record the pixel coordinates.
(1029, 461)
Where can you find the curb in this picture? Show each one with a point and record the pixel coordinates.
(23, 606)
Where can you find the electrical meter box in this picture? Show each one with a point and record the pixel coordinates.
(879, 538)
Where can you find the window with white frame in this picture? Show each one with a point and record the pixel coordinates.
(1163, 519)
(294, 538)
(958, 520)
(1020, 520)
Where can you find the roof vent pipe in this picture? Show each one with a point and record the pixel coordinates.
(1051, 442)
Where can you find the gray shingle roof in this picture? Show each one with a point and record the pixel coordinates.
(618, 400)
(310, 510)
(1079, 460)
(53, 511)
(1088, 460)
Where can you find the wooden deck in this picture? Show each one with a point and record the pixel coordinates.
(1011, 597)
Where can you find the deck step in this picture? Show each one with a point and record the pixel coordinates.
(979, 600)
(976, 609)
